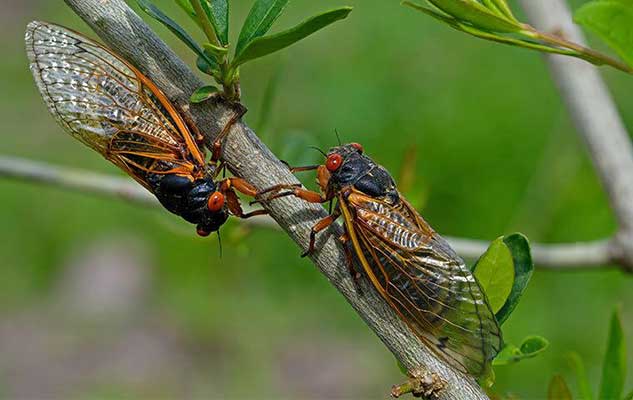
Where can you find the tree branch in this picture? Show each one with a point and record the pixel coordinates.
(596, 118)
(247, 157)
(82, 181)
(553, 256)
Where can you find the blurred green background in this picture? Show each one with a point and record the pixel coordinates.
(103, 299)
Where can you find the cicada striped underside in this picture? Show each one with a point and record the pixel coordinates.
(410, 265)
(103, 101)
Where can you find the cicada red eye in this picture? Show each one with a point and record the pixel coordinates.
(333, 162)
(216, 201)
(357, 146)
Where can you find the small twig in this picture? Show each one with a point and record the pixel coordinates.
(552, 256)
(69, 178)
(93, 183)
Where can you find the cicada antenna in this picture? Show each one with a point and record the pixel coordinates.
(338, 137)
(318, 149)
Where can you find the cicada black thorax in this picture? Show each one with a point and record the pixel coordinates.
(363, 174)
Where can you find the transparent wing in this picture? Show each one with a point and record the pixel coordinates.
(106, 103)
(425, 282)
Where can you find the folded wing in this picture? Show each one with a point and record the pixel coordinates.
(107, 104)
(425, 282)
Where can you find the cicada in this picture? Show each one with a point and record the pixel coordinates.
(106, 103)
(410, 265)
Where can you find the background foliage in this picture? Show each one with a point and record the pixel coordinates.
(494, 153)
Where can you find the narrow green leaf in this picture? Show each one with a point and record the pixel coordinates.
(476, 14)
(581, 376)
(523, 267)
(270, 44)
(203, 93)
(259, 20)
(495, 273)
(505, 9)
(157, 14)
(492, 7)
(500, 8)
(614, 365)
(440, 16)
(186, 6)
(558, 389)
(218, 13)
(612, 20)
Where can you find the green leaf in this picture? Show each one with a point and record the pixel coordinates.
(533, 345)
(581, 376)
(501, 8)
(157, 14)
(614, 365)
(530, 347)
(476, 14)
(495, 273)
(218, 13)
(522, 259)
(612, 20)
(203, 93)
(186, 6)
(259, 20)
(270, 44)
(482, 34)
(558, 389)
(629, 396)
(207, 68)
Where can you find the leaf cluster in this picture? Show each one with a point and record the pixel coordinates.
(494, 20)
(213, 58)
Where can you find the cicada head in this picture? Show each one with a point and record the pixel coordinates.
(348, 166)
(213, 215)
(199, 202)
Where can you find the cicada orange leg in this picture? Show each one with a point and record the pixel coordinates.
(283, 190)
(228, 187)
(216, 151)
